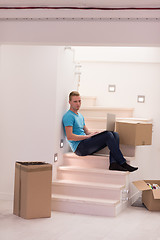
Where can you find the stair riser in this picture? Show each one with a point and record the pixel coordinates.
(99, 162)
(103, 113)
(78, 191)
(127, 150)
(92, 162)
(83, 208)
(92, 124)
(90, 101)
(91, 177)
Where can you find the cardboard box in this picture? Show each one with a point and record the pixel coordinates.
(32, 189)
(134, 133)
(150, 197)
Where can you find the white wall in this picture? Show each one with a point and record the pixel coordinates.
(117, 54)
(134, 71)
(30, 80)
(66, 82)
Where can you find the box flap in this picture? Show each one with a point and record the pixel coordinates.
(33, 166)
(156, 193)
(134, 121)
(141, 185)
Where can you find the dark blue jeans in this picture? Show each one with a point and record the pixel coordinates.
(99, 141)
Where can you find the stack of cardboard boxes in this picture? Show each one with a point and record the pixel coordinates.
(138, 133)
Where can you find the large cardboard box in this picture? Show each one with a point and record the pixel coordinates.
(150, 197)
(32, 189)
(134, 133)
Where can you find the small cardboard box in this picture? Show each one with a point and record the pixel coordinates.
(32, 189)
(150, 197)
(134, 133)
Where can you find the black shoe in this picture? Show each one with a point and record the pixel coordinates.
(116, 167)
(128, 167)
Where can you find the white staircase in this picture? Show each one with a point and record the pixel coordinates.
(101, 112)
(89, 206)
(91, 175)
(91, 161)
(84, 184)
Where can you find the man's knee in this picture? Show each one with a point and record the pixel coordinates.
(116, 135)
(109, 134)
(112, 135)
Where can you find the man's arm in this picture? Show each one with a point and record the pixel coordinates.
(73, 137)
(87, 132)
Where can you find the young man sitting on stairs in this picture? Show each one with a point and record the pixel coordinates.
(83, 142)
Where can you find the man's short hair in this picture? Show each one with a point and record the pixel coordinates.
(73, 93)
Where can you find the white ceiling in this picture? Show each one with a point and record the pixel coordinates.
(82, 3)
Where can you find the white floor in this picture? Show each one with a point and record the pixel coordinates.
(134, 223)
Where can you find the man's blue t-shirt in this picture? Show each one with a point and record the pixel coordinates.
(77, 122)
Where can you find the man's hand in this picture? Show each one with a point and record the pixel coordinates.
(92, 134)
(87, 132)
(74, 137)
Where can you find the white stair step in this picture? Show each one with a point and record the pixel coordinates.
(89, 161)
(98, 111)
(91, 175)
(95, 122)
(87, 189)
(81, 205)
(100, 123)
(88, 101)
(127, 150)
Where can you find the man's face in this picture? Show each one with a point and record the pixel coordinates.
(75, 103)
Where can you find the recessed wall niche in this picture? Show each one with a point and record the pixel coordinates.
(141, 99)
(111, 88)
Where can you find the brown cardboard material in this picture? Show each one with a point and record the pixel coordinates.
(141, 185)
(134, 133)
(156, 193)
(150, 197)
(32, 190)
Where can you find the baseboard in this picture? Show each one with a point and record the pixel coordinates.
(133, 198)
(6, 196)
